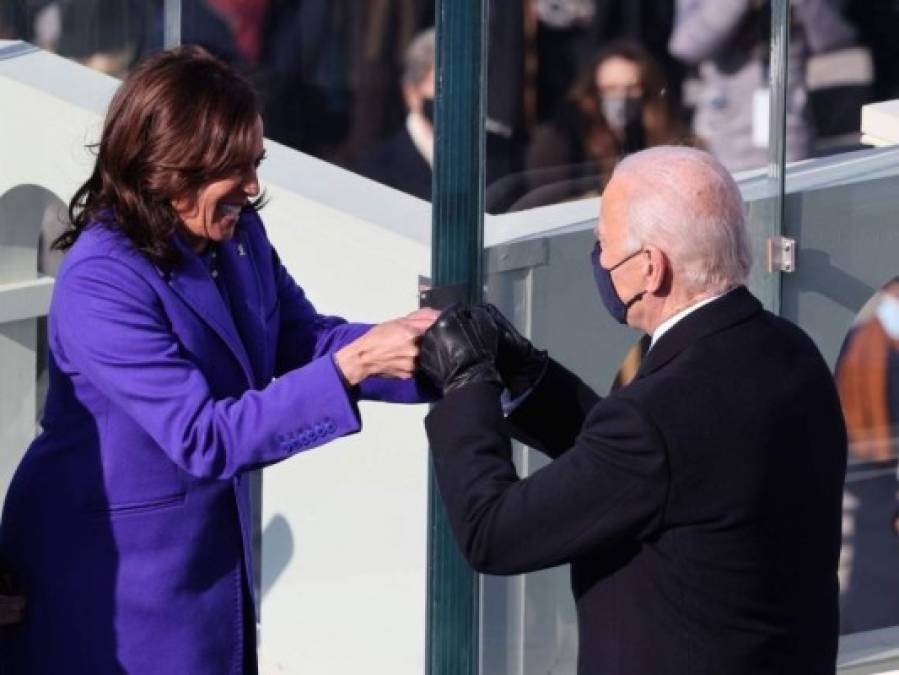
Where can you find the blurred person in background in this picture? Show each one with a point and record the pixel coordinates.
(327, 70)
(729, 40)
(182, 357)
(568, 33)
(563, 42)
(107, 35)
(867, 374)
(13, 24)
(878, 25)
(617, 106)
(405, 161)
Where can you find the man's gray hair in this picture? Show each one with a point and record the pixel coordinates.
(419, 58)
(686, 203)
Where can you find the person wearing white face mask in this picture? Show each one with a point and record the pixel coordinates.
(888, 315)
(405, 160)
(617, 106)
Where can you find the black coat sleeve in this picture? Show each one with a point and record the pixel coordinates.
(552, 415)
(610, 487)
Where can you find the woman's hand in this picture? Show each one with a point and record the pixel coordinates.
(422, 319)
(389, 349)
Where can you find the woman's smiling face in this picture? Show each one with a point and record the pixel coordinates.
(212, 216)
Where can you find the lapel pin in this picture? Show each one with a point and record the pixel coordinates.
(240, 249)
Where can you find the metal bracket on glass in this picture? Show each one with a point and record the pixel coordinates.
(440, 297)
(781, 254)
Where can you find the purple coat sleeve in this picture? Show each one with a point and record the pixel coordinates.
(133, 359)
(307, 335)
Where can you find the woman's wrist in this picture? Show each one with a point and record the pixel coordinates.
(350, 365)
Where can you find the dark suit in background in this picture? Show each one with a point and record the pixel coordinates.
(699, 506)
(398, 163)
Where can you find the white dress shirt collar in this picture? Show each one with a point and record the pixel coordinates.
(422, 136)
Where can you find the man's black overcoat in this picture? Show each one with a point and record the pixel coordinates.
(699, 506)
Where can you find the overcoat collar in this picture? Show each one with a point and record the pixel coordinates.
(728, 310)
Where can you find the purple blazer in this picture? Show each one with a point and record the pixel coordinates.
(127, 521)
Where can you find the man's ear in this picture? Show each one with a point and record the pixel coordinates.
(658, 270)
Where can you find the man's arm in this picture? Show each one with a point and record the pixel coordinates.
(610, 487)
(552, 414)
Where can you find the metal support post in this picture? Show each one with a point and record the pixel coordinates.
(457, 243)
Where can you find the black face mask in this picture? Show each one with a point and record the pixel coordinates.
(427, 109)
(617, 307)
(622, 112)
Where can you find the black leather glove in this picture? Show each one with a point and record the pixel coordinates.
(460, 348)
(520, 364)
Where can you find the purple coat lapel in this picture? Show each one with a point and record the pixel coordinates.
(196, 288)
(248, 308)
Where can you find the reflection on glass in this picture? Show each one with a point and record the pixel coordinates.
(868, 381)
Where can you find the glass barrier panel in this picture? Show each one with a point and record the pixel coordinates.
(840, 209)
(842, 212)
(843, 69)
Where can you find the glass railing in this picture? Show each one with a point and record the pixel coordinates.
(841, 210)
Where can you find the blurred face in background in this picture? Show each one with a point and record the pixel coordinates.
(620, 86)
(420, 97)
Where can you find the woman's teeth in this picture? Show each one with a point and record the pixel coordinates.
(230, 210)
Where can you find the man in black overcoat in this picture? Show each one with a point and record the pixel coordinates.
(699, 506)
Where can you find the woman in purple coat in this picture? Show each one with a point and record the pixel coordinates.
(183, 355)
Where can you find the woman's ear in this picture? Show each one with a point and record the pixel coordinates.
(185, 205)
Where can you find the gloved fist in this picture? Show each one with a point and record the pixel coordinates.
(520, 364)
(460, 348)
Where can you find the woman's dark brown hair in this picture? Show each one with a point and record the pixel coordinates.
(660, 125)
(181, 119)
